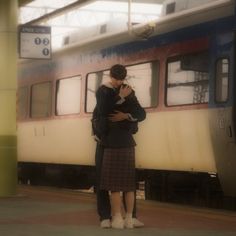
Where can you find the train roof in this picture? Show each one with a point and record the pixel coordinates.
(167, 23)
(209, 12)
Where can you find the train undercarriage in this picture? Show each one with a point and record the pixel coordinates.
(187, 188)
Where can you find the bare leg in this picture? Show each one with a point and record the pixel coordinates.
(116, 203)
(134, 210)
(117, 220)
(129, 199)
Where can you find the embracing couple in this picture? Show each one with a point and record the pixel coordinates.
(115, 120)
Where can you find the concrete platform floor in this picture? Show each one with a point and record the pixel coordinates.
(42, 211)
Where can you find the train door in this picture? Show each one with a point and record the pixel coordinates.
(222, 108)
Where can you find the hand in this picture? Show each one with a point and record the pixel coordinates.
(118, 116)
(125, 91)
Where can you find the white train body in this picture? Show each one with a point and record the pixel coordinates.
(196, 137)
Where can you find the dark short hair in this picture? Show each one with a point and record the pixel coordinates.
(118, 72)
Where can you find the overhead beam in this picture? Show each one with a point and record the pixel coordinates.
(140, 1)
(75, 5)
(23, 2)
(60, 11)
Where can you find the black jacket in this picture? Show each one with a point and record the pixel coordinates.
(116, 134)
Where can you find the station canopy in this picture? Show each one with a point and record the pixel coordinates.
(68, 16)
(71, 17)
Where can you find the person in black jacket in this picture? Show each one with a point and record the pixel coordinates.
(116, 116)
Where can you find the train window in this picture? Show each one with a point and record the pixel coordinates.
(68, 96)
(142, 77)
(41, 101)
(222, 80)
(94, 80)
(22, 102)
(170, 8)
(188, 80)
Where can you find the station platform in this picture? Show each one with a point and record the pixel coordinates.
(38, 211)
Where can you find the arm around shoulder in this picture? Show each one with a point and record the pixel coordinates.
(137, 111)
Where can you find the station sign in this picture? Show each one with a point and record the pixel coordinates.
(35, 42)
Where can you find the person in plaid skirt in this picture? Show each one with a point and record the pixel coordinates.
(117, 115)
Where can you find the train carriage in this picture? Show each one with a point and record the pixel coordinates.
(182, 70)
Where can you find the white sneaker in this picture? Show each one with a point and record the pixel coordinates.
(137, 223)
(117, 223)
(105, 224)
(129, 224)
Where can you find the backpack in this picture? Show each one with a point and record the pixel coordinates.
(99, 125)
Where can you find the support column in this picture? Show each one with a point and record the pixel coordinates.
(8, 74)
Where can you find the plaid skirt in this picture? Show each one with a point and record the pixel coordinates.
(118, 170)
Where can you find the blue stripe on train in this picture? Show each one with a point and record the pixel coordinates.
(211, 29)
(200, 30)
